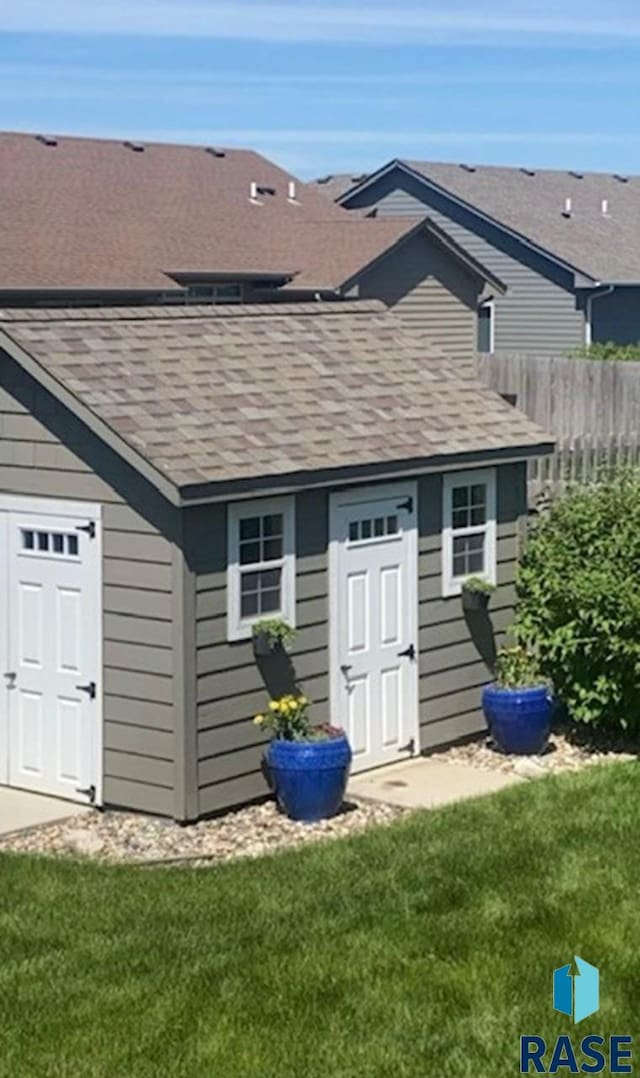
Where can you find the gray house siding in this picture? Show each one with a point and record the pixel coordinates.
(430, 291)
(139, 528)
(539, 313)
(455, 655)
(616, 317)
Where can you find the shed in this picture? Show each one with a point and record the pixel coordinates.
(167, 475)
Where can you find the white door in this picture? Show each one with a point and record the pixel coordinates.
(53, 655)
(373, 611)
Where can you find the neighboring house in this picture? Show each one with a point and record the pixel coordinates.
(169, 474)
(566, 244)
(103, 222)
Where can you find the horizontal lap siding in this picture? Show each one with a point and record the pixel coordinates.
(230, 687)
(431, 292)
(137, 595)
(455, 655)
(538, 313)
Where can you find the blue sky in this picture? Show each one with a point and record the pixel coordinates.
(326, 86)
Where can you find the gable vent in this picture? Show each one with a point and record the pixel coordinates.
(46, 140)
(468, 168)
(214, 151)
(619, 178)
(137, 147)
(528, 171)
(577, 175)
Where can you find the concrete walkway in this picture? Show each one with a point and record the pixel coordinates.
(20, 810)
(426, 783)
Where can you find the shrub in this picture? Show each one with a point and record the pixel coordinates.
(578, 607)
(518, 668)
(607, 350)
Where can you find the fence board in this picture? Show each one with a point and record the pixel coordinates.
(580, 459)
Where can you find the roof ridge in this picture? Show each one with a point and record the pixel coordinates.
(194, 312)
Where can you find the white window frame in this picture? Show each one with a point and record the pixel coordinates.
(490, 305)
(239, 628)
(452, 585)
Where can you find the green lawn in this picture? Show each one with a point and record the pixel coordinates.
(420, 950)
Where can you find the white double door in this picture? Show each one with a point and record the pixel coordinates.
(373, 612)
(50, 649)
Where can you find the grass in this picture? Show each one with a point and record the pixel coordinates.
(421, 949)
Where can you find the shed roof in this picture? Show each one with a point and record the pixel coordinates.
(533, 202)
(272, 393)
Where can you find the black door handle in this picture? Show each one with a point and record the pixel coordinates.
(408, 653)
(90, 689)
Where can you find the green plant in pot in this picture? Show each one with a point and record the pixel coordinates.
(476, 592)
(308, 765)
(271, 635)
(518, 705)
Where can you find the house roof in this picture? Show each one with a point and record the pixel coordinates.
(264, 393)
(604, 247)
(101, 215)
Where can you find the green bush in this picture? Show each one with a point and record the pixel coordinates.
(578, 592)
(607, 350)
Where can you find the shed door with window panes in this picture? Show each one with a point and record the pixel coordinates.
(261, 556)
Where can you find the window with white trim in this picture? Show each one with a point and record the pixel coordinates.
(487, 327)
(469, 528)
(261, 564)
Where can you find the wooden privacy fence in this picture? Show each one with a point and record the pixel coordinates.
(569, 397)
(581, 459)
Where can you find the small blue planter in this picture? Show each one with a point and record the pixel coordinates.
(519, 720)
(309, 777)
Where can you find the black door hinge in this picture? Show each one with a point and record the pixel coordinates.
(410, 747)
(87, 791)
(90, 689)
(89, 528)
(408, 505)
(408, 653)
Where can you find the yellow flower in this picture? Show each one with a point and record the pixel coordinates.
(302, 700)
(259, 720)
(274, 705)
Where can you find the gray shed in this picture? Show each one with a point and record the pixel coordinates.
(169, 474)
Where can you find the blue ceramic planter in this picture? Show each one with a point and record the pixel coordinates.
(519, 720)
(309, 777)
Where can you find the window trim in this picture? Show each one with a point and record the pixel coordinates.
(239, 628)
(489, 305)
(452, 585)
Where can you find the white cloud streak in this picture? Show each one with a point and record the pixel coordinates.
(334, 23)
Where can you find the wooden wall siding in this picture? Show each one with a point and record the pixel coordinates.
(569, 397)
(539, 312)
(137, 581)
(231, 688)
(431, 292)
(456, 653)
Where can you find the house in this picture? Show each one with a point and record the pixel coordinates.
(168, 474)
(97, 221)
(566, 244)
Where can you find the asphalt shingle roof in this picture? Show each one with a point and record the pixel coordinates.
(531, 202)
(97, 214)
(220, 394)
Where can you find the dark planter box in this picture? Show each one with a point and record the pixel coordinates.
(475, 600)
(262, 645)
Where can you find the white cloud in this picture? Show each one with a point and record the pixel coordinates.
(327, 22)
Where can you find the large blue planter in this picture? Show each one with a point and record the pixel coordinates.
(519, 719)
(310, 777)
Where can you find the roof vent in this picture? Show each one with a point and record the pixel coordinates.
(253, 193)
(619, 178)
(46, 140)
(292, 191)
(214, 151)
(137, 147)
(263, 190)
(604, 207)
(567, 208)
(360, 178)
(577, 175)
(468, 168)
(528, 171)
(325, 179)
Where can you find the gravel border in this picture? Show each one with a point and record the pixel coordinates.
(124, 837)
